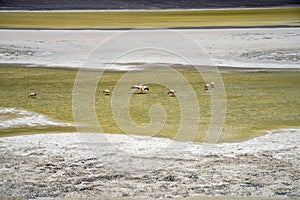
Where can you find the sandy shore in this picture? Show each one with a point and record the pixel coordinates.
(254, 48)
(71, 165)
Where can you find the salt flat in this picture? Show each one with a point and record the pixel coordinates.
(253, 48)
(88, 165)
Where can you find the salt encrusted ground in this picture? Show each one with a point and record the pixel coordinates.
(104, 165)
(254, 48)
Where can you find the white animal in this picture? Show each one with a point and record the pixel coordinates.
(209, 86)
(206, 86)
(172, 92)
(32, 95)
(106, 92)
(140, 87)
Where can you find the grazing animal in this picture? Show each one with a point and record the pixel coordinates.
(209, 86)
(106, 92)
(140, 87)
(172, 92)
(206, 86)
(32, 95)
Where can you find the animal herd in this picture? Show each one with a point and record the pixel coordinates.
(171, 92)
(142, 88)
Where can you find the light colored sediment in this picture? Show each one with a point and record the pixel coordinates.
(107, 166)
(256, 47)
(14, 118)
